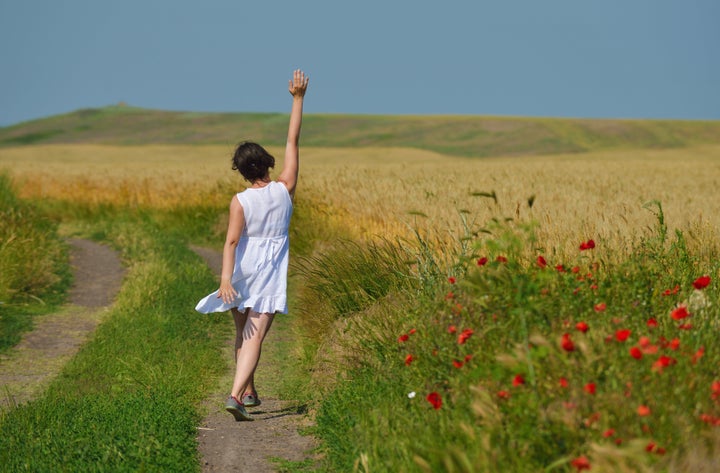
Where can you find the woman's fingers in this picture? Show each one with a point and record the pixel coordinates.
(227, 294)
(299, 82)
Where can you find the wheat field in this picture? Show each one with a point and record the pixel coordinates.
(387, 191)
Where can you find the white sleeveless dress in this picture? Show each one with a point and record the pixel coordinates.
(261, 257)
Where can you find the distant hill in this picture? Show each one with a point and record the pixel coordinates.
(455, 135)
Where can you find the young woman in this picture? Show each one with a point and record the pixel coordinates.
(253, 282)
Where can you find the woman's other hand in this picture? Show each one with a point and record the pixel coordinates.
(226, 292)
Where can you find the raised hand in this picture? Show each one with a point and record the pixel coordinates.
(298, 84)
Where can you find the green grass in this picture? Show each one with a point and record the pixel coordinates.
(474, 136)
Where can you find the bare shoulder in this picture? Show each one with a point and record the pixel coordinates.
(290, 189)
(235, 204)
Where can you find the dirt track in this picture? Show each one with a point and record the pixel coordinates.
(229, 446)
(225, 445)
(57, 337)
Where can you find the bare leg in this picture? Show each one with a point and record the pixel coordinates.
(240, 320)
(253, 334)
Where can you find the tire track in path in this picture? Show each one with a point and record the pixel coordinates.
(27, 369)
(229, 446)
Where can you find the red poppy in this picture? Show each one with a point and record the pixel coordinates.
(622, 335)
(463, 337)
(587, 245)
(403, 338)
(594, 417)
(451, 280)
(589, 388)
(501, 259)
(581, 326)
(541, 261)
(518, 380)
(707, 418)
(449, 296)
(685, 326)
(600, 307)
(715, 387)
(458, 364)
(650, 349)
(643, 411)
(482, 261)
(503, 394)
(468, 358)
(679, 313)
(674, 344)
(566, 343)
(650, 447)
(452, 329)
(636, 353)
(701, 282)
(643, 341)
(434, 399)
(580, 463)
(663, 362)
(609, 433)
(564, 383)
(669, 292)
(652, 323)
(409, 359)
(412, 330)
(698, 354)
(575, 269)
(560, 268)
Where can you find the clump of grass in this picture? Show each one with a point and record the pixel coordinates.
(32, 256)
(34, 270)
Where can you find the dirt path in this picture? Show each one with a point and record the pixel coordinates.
(28, 368)
(229, 446)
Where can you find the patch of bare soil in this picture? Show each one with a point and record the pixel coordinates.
(28, 368)
(229, 446)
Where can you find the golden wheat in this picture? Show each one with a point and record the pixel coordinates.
(385, 191)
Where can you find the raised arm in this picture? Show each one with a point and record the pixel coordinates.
(289, 174)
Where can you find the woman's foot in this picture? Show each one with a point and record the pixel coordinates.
(251, 400)
(237, 409)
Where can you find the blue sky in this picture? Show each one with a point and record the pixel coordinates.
(562, 58)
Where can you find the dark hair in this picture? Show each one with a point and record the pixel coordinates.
(252, 161)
